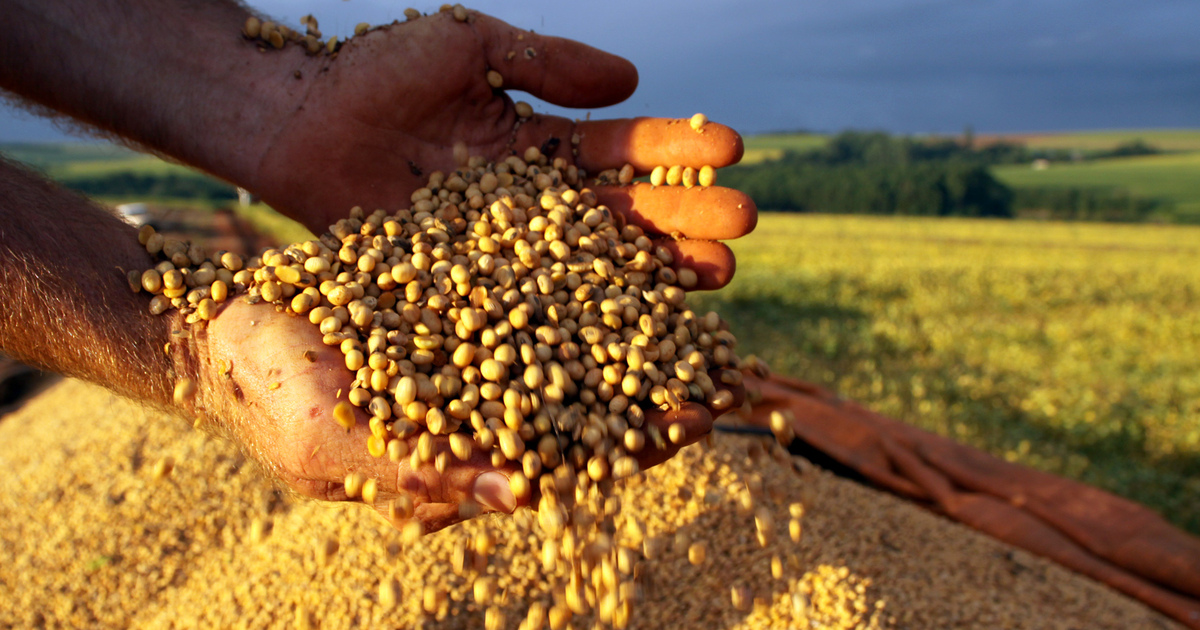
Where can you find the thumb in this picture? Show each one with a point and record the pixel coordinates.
(560, 71)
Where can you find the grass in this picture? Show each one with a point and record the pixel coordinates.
(1173, 177)
(772, 146)
(1067, 347)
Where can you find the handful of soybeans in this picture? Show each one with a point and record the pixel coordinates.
(506, 310)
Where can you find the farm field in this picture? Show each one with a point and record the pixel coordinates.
(1174, 177)
(64, 161)
(1066, 347)
(772, 146)
(769, 146)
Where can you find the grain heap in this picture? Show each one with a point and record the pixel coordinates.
(508, 311)
(94, 537)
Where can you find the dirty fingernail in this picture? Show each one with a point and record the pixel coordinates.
(492, 491)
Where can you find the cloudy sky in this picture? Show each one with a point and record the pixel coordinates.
(901, 65)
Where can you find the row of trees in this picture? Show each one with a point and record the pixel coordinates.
(937, 188)
(127, 184)
(875, 173)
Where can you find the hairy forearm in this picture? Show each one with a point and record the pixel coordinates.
(172, 76)
(66, 303)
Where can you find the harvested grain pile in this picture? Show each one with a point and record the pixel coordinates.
(101, 530)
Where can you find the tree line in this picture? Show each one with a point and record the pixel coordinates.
(876, 173)
(128, 184)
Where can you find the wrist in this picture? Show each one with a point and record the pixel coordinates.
(203, 389)
(252, 103)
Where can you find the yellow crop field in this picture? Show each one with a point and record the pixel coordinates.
(1069, 347)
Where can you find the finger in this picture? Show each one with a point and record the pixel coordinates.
(649, 142)
(695, 421)
(711, 213)
(474, 480)
(556, 70)
(713, 262)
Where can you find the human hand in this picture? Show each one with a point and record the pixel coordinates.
(279, 405)
(387, 112)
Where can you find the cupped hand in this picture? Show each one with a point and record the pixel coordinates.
(273, 385)
(383, 115)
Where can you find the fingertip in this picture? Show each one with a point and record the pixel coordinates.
(649, 142)
(702, 212)
(713, 262)
(695, 420)
(558, 70)
(741, 216)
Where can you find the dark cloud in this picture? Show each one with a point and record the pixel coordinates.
(903, 65)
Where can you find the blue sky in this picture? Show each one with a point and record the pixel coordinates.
(911, 66)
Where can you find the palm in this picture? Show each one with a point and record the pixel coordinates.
(372, 126)
(279, 404)
(390, 108)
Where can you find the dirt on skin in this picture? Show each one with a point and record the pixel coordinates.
(93, 535)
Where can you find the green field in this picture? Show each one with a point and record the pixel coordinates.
(1068, 347)
(1174, 177)
(772, 146)
(769, 146)
(67, 161)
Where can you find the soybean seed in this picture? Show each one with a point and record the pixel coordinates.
(389, 593)
(163, 467)
(688, 278)
(688, 177)
(369, 491)
(185, 391)
(343, 414)
(354, 484)
(674, 175)
(677, 433)
(658, 176)
(252, 27)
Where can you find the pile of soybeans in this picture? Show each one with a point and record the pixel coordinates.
(116, 516)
